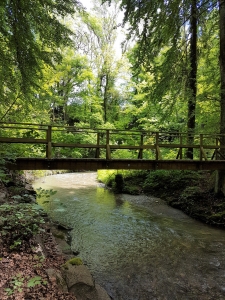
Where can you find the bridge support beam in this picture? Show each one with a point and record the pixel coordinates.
(93, 164)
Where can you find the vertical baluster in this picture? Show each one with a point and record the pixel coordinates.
(201, 146)
(181, 143)
(156, 145)
(49, 142)
(140, 154)
(216, 150)
(108, 152)
(97, 152)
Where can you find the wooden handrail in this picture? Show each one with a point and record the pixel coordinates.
(153, 141)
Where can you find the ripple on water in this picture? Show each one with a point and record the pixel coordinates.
(138, 248)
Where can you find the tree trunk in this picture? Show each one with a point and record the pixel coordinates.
(192, 89)
(220, 180)
(105, 98)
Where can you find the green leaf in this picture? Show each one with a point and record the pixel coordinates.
(34, 281)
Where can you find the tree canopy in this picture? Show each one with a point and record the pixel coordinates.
(59, 58)
(31, 34)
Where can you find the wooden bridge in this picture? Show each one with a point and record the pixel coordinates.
(52, 147)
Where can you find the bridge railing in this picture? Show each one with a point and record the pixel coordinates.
(107, 142)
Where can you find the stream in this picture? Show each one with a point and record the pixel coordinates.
(137, 247)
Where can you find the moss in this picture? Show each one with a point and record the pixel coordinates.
(75, 261)
(59, 235)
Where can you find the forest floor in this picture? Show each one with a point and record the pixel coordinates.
(26, 271)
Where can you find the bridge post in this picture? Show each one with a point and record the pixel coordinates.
(49, 142)
(97, 152)
(181, 149)
(108, 152)
(202, 152)
(201, 146)
(140, 154)
(216, 151)
(157, 150)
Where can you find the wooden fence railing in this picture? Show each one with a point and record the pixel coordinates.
(144, 144)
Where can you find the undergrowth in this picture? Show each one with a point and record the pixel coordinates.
(19, 223)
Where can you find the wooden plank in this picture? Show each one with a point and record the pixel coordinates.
(22, 140)
(108, 152)
(29, 124)
(26, 128)
(126, 164)
(49, 142)
(179, 154)
(158, 153)
(132, 147)
(203, 153)
(97, 150)
(78, 145)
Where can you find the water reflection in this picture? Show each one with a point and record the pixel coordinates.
(137, 247)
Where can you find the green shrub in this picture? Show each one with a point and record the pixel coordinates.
(190, 192)
(19, 223)
(162, 180)
(132, 190)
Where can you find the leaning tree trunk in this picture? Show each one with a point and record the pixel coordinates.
(192, 77)
(220, 180)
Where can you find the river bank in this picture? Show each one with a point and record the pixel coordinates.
(189, 191)
(35, 258)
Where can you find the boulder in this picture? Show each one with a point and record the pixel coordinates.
(81, 284)
(3, 196)
(55, 275)
(77, 275)
(30, 189)
(102, 294)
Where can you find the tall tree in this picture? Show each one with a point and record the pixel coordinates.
(168, 30)
(97, 34)
(30, 35)
(192, 77)
(220, 182)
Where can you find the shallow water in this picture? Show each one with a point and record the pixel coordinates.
(137, 247)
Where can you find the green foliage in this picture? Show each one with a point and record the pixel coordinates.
(31, 34)
(132, 180)
(161, 181)
(19, 223)
(37, 280)
(107, 176)
(190, 192)
(45, 193)
(124, 154)
(19, 193)
(17, 283)
(6, 154)
(79, 137)
(131, 189)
